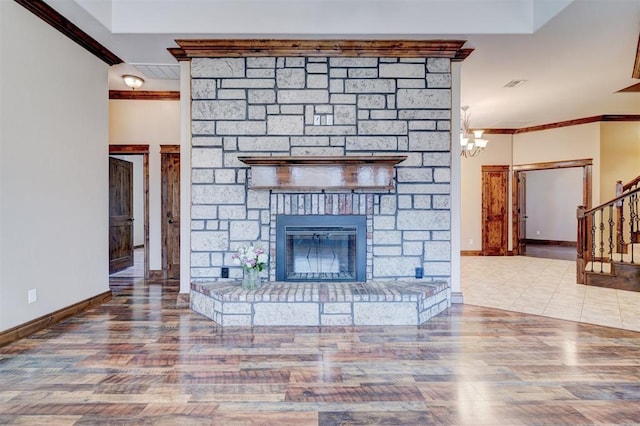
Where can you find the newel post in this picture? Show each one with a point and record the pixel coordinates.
(582, 243)
(619, 222)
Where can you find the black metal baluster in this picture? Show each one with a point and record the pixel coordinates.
(601, 249)
(593, 239)
(634, 223)
(611, 224)
(621, 242)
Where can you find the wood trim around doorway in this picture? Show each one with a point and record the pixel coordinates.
(144, 151)
(587, 166)
(169, 149)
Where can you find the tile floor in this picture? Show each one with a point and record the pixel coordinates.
(545, 287)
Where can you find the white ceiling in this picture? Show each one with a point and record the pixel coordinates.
(574, 54)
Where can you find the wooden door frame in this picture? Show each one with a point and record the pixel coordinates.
(144, 151)
(495, 168)
(587, 170)
(165, 149)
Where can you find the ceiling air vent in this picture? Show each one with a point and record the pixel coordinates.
(159, 71)
(515, 83)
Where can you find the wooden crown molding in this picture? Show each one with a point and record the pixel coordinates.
(636, 63)
(576, 122)
(203, 48)
(499, 131)
(142, 95)
(579, 121)
(634, 88)
(66, 27)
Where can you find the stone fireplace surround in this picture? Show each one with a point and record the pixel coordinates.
(397, 302)
(268, 104)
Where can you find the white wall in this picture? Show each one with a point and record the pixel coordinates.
(552, 199)
(138, 196)
(152, 123)
(53, 169)
(620, 155)
(564, 143)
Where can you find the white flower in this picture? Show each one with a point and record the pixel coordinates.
(250, 257)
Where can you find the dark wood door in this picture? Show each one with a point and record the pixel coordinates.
(120, 214)
(171, 213)
(522, 213)
(495, 199)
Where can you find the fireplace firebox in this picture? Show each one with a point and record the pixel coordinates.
(321, 248)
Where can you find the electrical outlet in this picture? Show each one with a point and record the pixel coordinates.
(323, 119)
(470, 242)
(224, 272)
(32, 295)
(419, 272)
(537, 232)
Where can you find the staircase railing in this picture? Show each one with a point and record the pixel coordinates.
(632, 184)
(605, 232)
(620, 190)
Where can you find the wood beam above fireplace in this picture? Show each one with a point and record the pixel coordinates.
(220, 48)
(322, 173)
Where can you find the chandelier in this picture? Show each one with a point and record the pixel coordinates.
(471, 142)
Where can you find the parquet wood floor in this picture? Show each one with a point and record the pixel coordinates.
(141, 359)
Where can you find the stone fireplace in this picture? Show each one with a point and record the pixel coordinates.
(322, 100)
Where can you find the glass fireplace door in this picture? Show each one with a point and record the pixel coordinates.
(322, 248)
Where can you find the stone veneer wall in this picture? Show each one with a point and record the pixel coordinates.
(271, 106)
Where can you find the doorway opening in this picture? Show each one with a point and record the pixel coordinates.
(136, 215)
(529, 234)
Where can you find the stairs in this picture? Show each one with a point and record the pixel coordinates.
(609, 240)
(621, 271)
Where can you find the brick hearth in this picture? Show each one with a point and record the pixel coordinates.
(321, 304)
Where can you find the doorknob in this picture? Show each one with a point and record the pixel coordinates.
(170, 220)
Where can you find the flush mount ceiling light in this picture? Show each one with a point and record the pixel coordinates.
(471, 142)
(132, 81)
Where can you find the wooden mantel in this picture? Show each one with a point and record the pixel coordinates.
(322, 173)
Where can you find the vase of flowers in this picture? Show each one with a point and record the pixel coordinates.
(253, 260)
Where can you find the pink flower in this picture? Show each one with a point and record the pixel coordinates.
(250, 257)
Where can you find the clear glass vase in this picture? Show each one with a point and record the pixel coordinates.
(251, 279)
